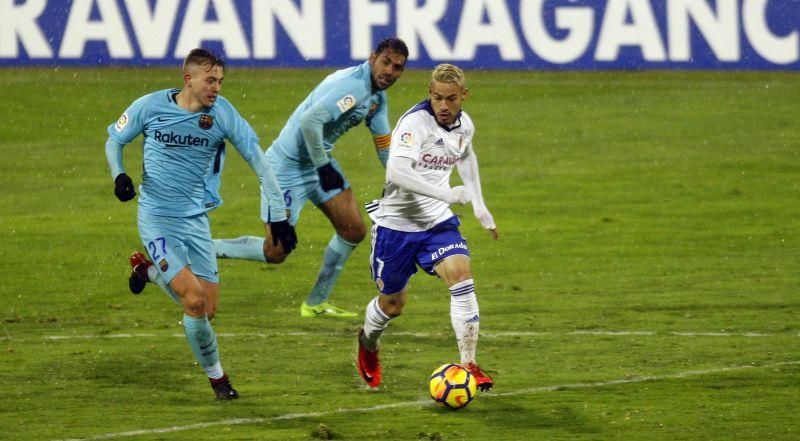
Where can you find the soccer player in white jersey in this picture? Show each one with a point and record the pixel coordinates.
(184, 150)
(414, 227)
(306, 170)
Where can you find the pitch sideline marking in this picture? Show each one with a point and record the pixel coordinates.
(533, 390)
(421, 334)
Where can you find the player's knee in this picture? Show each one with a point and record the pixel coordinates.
(194, 305)
(392, 305)
(354, 235)
(274, 253)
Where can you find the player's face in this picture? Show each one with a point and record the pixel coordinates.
(446, 100)
(386, 68)
(204, 83)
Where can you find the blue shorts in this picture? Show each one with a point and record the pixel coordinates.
(176, 242)
(300, 183)
(396, 254)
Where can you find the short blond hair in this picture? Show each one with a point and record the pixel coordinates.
(448, 73)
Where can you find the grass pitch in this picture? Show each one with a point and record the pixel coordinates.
(645, 286)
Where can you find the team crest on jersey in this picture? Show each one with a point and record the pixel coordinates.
(346, 102)
(206, 121)
(163, 265)
(121, 122)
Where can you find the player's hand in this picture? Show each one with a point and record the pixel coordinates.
(487, 221)
(329, 178)
(459, 195)
(283, 232)
(123, 187)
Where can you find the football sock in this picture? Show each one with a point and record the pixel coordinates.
(154, 276)
(465, 318)
(245, 247)
(375, 321)
(203, 341)
(336, 254)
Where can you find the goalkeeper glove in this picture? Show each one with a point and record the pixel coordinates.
(283, 232)
(329, 178)
(123, 187)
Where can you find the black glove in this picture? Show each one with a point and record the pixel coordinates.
(283, 231)
(329, 178)
(123, 187)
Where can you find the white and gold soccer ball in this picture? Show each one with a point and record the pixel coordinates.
(452, 385)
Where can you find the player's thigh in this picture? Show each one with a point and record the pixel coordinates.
(200, 248)
(392, 259)
(342, 211)
(445, 253)
(164, 240)
(190, 291)
(211, 295)
(453, 269)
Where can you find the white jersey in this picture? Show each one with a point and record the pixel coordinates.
(435, 150)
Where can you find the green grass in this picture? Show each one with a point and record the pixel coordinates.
(645, 286)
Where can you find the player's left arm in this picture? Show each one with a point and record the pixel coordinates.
(467, 167)
(378, 124)
(273, 207)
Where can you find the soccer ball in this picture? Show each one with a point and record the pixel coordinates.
(452, 385)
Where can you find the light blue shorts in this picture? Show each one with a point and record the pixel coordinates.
(300, 183)
(176, 242)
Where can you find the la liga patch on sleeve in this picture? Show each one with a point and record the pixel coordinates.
(406, 140)
(121, 122)
(346, 102)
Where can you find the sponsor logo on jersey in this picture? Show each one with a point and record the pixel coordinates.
(172, 139)
(346, 102)
(439, 142)
(379, 284)
(438, 162)
(206, 121)
(121, 122)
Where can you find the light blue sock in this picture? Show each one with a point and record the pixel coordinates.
(336, 254)
(245, 247)
(203, 341)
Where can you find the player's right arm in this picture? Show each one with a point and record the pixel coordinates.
(328, 107)
(404, 152)
(129, 125)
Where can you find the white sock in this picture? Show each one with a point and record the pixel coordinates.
(375, 321)
(465, 318)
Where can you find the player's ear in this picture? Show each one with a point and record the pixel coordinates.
(464, 94)
(187, 80)
(372, 57)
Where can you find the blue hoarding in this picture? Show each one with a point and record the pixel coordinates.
(492, 34)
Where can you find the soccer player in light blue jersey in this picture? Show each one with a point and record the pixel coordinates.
(414, 226)
(301, 158)
(184, 151)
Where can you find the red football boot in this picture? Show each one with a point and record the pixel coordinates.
(138, 278)
(484, 381)
(369, 366)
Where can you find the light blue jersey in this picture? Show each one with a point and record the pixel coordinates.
(184, 154)
(348, 97)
